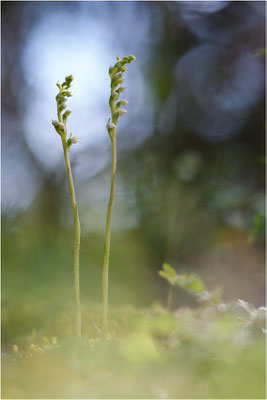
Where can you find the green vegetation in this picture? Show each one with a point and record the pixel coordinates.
(61, 129)
(191, 283)
(116, 75)
(210, 349)
(206, 352)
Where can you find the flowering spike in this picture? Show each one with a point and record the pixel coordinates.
(116, 73)
(61, 129)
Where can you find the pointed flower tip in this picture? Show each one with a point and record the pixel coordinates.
(131, 57)
(66, 114)
(123, 102)
(69, 78)
(121, 112)
(121, 89)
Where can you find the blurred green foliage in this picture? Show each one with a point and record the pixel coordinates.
(181, 197)
(205, 353)
(189, 282)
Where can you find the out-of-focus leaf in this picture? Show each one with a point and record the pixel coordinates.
(190, 282)
(168, 273)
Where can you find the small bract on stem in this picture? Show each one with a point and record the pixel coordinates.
(61, 129)
(116, 75)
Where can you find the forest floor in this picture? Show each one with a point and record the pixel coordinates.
(206, 352)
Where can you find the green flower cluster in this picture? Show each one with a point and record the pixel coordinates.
(61, 99)
(116, 75)
(63, 95)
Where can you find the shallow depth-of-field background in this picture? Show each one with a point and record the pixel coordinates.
(190, 192)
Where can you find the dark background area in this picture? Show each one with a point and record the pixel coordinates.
(191, 158)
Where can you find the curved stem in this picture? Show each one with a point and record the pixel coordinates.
(76, 243)
(107, 235)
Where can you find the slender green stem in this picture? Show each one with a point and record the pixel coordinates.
(107, 235)
(76, 244)
(77, 306)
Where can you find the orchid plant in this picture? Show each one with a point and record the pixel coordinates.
(116, 75)
(60, 126)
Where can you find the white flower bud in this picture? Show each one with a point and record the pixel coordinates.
(75, 139)
(66, 115)
(122, 102)
(59, 127)
(121, 112)
(121, 89)
(110, 124)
